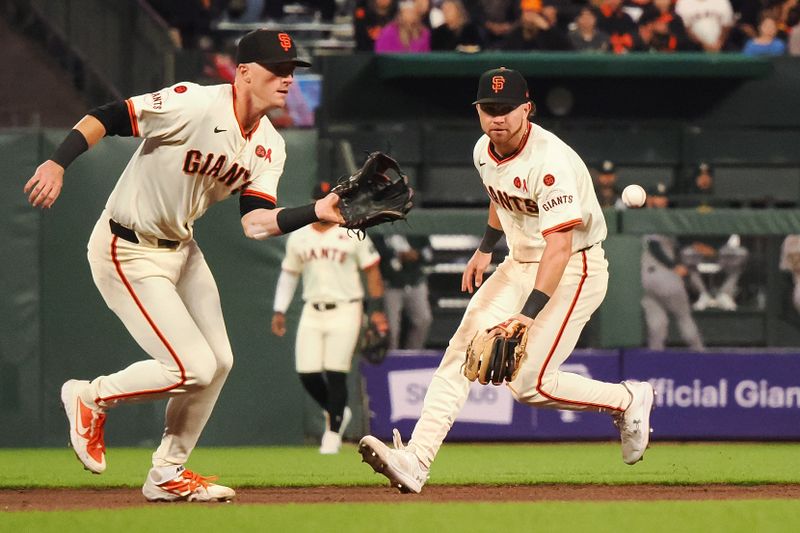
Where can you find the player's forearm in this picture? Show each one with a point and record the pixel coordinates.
(261, 223)
(374, 282)
(553, 262)
(86, 133)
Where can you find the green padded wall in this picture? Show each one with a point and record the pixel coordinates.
(20, 274)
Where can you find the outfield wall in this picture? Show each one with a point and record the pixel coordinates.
(55, 325)
(727, 394)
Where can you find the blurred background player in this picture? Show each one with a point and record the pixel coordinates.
(608, 192)
(403, 259)
(706, 256)
(330, 262)
(664, 291)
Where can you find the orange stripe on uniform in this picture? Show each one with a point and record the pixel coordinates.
(132, 116)
(152, 325)
(263, 195)
(539, 388)
(566, 225)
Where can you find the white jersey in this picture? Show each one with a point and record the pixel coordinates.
(330, 262)
(706, 18)
(541, 188)
(194, 155)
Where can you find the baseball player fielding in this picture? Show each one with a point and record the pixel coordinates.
(554, 278)
(201, 145)
(634, 196)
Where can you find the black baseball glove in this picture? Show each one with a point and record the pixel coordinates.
(374, 343)
(378, 192)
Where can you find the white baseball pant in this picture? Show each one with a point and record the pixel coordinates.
(551, 340)
(168, 301)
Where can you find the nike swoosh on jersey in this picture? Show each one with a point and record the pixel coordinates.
(217, 130)
(481, 163)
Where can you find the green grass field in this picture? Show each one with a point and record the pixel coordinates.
(666, 463)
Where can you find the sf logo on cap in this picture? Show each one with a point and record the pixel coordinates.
(286, 41)
(497, 83)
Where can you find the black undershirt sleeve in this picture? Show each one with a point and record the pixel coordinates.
(249, 203)
(114, 116)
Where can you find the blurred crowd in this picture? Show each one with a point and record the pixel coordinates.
(753, 27)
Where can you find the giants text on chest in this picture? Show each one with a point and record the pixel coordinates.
(509, 202)
(329, 254)
(215, 166)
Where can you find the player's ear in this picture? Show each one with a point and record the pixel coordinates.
(244, 71)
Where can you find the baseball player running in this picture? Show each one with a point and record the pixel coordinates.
(202, 144)
(553, 279)
(330, 262)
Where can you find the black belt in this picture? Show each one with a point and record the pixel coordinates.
(327, 306)
(129, 235)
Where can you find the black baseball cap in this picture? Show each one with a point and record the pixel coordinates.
(502, 86)
(268, 47)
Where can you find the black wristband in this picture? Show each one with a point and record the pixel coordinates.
(374, 304)
(292, 218)
(536, 302)
(490, 238)
(73, 145)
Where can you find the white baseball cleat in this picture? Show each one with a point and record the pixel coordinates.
(399, 465)
(184, 486)
(331, 443)
(332, 440)
(634, 423)
(85, 427)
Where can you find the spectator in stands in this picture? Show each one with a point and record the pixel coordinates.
(711, 254)
(708, 22)
(605, 186)
(617, 24)
(406, 33)
(790, 262)
(767, 42)
(586, 37)
(668, 31)
(424, 8)
(457, 32)
(406, 288)
(369, 18)
(497, 18)
(537, 30)
(793, 21)
(664, 292)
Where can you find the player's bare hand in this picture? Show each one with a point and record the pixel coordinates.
(379, 320)
(45, 185)
(279, 324)
(474, 271)
(327, 209)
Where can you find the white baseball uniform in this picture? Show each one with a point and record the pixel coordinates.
(543, 187)
(706, 19)
(194, 154)
(330, 262)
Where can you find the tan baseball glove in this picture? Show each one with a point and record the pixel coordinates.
(496, 358)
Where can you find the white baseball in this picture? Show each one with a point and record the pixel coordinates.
(633, 196)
